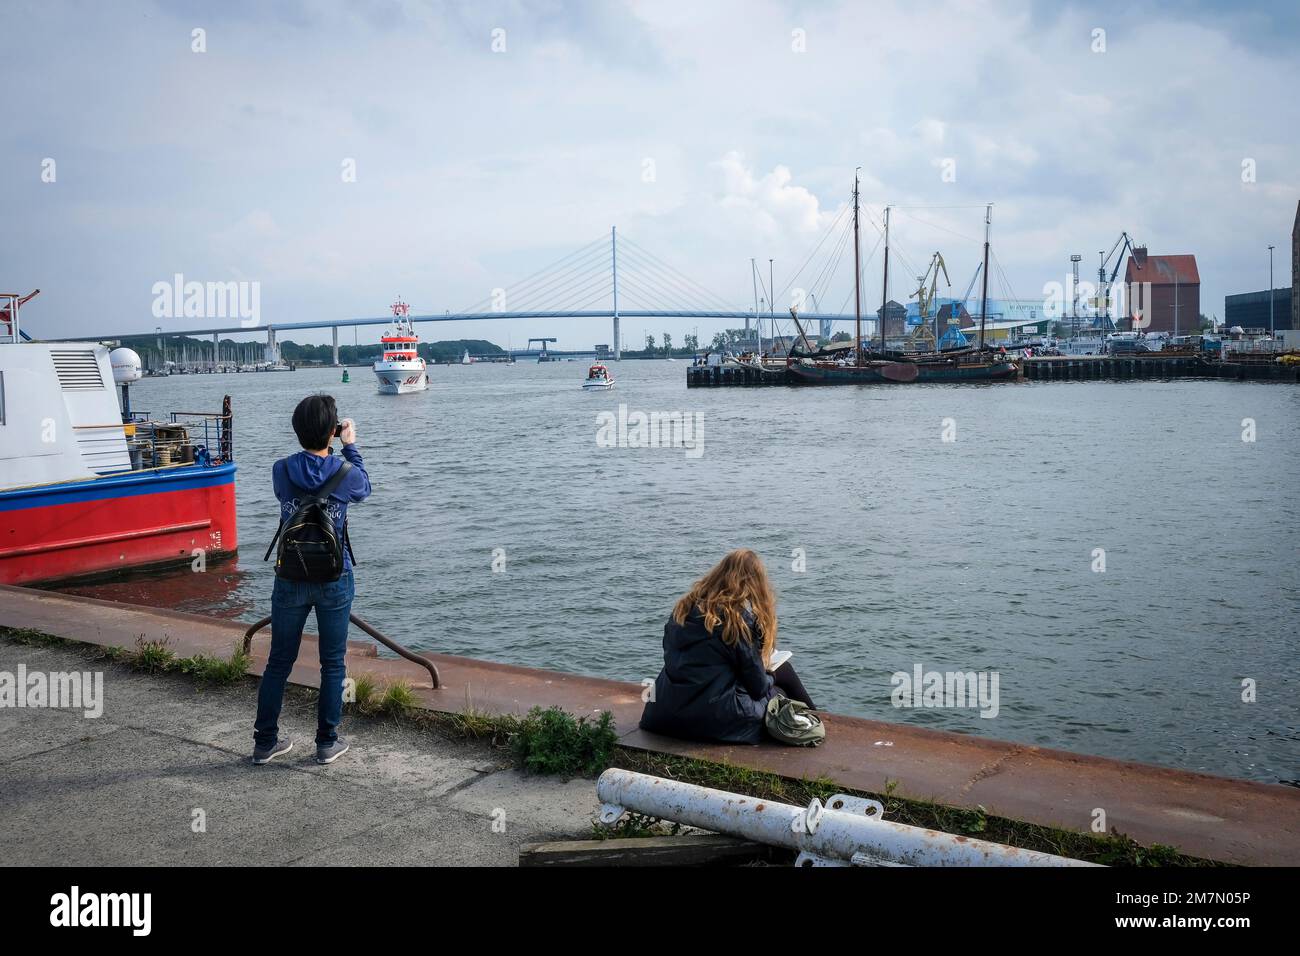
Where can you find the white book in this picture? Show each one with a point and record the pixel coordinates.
(779, 658)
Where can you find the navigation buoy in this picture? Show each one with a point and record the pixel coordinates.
(345, 376)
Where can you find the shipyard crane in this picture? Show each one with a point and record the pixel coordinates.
(1104, 284)
(924, 296)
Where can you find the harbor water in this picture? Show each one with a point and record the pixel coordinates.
(1123, 557)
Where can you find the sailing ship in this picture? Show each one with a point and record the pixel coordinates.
(399, 367)
(860, 364)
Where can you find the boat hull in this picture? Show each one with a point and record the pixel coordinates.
(400, 382)
(129, 520)
(885, 375)
(597, 386)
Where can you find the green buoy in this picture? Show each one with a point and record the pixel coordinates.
(345, 376)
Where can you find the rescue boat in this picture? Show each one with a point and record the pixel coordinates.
(399, 367)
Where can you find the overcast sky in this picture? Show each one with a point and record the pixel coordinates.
(708, 132)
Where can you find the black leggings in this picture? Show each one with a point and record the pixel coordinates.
(788, 681)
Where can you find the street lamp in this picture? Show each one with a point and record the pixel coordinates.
(1270, 290)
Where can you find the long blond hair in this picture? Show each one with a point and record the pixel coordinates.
(737, 582)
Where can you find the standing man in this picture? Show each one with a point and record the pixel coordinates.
(298, 481)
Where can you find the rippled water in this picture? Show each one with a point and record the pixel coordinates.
(968, 555)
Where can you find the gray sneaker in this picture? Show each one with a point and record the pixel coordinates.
(328, 753)
(263, 755)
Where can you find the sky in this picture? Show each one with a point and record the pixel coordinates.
(489, 139)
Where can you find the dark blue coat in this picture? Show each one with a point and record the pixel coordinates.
(707, 689)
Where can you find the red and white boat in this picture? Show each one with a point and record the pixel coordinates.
(86, 489)
(598, 378)
(400, 368)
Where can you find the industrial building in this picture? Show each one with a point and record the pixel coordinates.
(1167, 290)
(1250, 310)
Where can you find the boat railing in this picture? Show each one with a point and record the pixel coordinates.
(153, 443)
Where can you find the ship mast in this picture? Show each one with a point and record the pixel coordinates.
(884, 294)
(984, 289)
(857, 276)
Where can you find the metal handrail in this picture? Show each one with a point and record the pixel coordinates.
(388, 642)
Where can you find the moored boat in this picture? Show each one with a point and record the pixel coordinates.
(88, 487)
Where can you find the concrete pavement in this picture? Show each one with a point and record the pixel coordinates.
(163, 777)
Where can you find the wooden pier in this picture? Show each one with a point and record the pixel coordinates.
(1055, 368)
(733, 376)
(1119, 368)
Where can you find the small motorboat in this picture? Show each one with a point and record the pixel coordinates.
(598, 377)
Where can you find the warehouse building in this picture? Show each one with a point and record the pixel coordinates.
(1167, 290)
(1250, 310)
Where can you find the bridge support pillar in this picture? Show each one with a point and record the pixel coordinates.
(618, 349)
(272, 352)
(336, 346)
(216, 349)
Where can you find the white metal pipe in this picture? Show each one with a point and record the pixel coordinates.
(847, 829)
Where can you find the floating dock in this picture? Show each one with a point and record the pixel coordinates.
(1054, 368)
(1119, 368)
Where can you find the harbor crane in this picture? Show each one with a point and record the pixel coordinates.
(925, 295)
(1104, 284)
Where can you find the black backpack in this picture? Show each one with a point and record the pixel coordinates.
(310, 549)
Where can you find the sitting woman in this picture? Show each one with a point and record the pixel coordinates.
(718, 646)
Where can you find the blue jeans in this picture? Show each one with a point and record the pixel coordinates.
(290, 603)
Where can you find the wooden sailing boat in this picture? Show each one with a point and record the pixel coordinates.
(884, 366)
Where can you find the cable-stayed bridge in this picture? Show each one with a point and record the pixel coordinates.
(610, 278)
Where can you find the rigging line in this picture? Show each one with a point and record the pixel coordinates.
(581, 249)
(823, 280)
(862, 274)
(832, 263)
(656, 276)
(672, 269)
(935, 225)
(593, 263)
(913, 205)
(825, 235)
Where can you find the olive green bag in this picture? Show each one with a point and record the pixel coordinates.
(793, 722)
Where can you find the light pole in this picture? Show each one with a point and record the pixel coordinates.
(1176, 301)
(1270, 290)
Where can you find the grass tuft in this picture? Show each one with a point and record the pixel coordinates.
(398, 699)
(208, 669)
(553, 741)
(152, 657)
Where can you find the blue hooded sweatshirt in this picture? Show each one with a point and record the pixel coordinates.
(305, 472)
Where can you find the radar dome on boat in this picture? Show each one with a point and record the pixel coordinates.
(126, 365)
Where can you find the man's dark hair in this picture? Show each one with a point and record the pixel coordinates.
(314, 421)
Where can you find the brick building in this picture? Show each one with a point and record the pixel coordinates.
(1166, 288)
